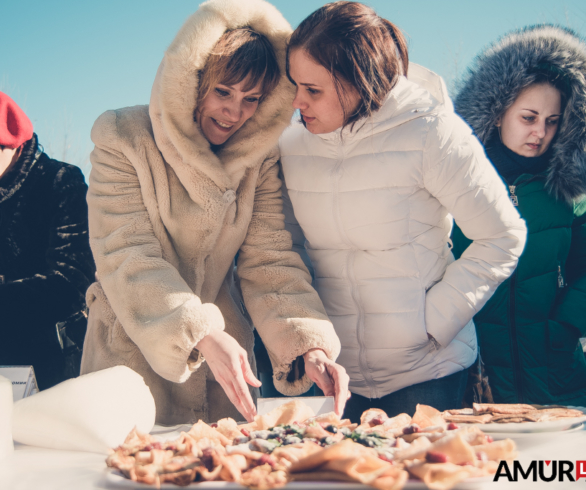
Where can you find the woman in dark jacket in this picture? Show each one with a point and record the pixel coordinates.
(525, 98)
(46, 263)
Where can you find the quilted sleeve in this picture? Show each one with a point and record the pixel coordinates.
(457, 172)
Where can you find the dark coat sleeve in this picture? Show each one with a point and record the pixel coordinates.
(460, 242)
(572, 307)
(58, 289)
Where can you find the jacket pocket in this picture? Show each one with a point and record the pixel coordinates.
(566, 361)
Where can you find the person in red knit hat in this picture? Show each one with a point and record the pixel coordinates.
(15, 129)
(46, 263)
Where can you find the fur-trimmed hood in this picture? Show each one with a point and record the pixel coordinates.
(175, 91)
(504, 69)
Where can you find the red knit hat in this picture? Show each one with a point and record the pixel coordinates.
(15, 126)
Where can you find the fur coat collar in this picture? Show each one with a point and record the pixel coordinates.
(13, 179)
(174, 94)
(504, 69)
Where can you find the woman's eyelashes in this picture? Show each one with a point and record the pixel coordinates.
(549, 122)
(222, 92)
(309, 90)
(553, 122)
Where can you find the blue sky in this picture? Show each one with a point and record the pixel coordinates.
(67, 61)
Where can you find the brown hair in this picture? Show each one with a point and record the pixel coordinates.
(238, 54)
(356, 45)
(550, 75)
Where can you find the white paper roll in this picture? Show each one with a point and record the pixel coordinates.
(93, 412)
(6, 445)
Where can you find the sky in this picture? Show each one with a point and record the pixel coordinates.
(67, 61)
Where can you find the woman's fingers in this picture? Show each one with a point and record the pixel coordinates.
(329, 376)
(237, 396)
(333, 381)
(245, 376)
(233, 396)
(325, 382)
(341, 379)
(229, 363)
(249, 376)
(242, 392)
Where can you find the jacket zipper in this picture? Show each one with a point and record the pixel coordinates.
(513, 188)
(561, 282)
(360, 328)
(512, 321)
(517, 374)
(350, 265)
(514, 198)
(514, 342)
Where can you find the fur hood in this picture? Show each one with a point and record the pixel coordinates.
(175, 90)
(504, 69)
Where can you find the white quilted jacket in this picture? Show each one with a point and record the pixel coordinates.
(375, 205)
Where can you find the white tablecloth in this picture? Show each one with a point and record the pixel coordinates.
(31, 468)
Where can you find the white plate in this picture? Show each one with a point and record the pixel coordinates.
(114, 479)
(522, 435)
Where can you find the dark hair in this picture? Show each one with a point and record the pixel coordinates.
(238, 54)
(355, 45)
(550, 75)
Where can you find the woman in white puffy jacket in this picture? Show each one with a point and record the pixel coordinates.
(375, 170)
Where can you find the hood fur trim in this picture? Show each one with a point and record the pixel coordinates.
(174, 94)
(504, 69)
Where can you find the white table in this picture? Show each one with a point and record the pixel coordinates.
(32, 468)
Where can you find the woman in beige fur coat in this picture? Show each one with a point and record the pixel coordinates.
(177, 190)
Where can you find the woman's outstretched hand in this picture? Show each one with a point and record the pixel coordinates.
(329, 376)
(229, 363)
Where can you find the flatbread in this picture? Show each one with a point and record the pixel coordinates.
(205, 453)
(509, 408)
(416, 450)
(426, 416)
(562, 412)
(325, 418)
(202, 430)
(286, 414)
(460, 411)
(347, 459)
(392, 427)
(469, 419)
(229, 428)
(321, 475)
(372, 413)
(498, 450)
(440, 476)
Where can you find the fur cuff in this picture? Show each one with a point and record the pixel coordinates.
(290, 379)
